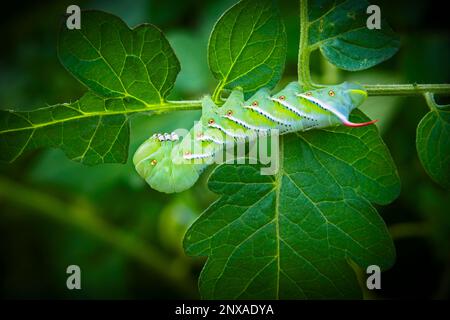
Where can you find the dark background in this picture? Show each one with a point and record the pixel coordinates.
(36, 246)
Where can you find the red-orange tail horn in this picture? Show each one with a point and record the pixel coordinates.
(354, 125)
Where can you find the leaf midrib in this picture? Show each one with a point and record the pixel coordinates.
(225, 78)
(278, 184)
(84, 115)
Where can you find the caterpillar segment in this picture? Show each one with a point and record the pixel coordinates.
(170, 163)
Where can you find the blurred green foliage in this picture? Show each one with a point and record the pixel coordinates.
(123, 229)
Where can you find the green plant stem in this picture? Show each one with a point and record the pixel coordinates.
(305, 80)
(431, 103)
(409, 229)
(217, 91)
(85, 217)
(182, 105)
(406, 89)
(401, 89)
(165, 107)
(303, 71)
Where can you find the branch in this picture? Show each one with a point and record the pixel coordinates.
(170, 106)
(85, 217)
(164, 107)
(401, 89)
(409, 230)
(304, 75)
(406, 89)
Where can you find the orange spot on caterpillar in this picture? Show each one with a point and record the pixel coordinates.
(154, 162)
(331, 93)
(308, 93)
(229, 112)
(255, 103)
(282, 97)
(211, 121)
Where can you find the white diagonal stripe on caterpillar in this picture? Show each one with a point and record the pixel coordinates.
(294, 110)
(323, 105)
(227, 132)
(336, 112)
(311, 100)
(270, 117)
(194, 156)
(210, 139)
(244, 124)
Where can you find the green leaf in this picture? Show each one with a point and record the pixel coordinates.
(114, 61)
(295, 235)
(91, 130)
(339, 29)
(247, 47)
(433, 145)
(128, 71)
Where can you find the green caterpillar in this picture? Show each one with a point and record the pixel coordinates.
(169, 163)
